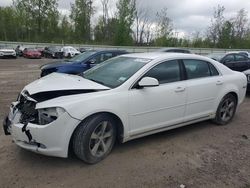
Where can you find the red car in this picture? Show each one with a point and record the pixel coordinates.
(31, 53)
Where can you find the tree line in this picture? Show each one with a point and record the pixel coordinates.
(129, 24)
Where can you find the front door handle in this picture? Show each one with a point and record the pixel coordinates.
(219, 82)
(179, 89)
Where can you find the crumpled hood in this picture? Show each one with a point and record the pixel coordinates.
(62, 82)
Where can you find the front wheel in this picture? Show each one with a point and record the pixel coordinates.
(94, 139)
(226, 110)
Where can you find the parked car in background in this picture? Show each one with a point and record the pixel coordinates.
(175, 50)
(40, 49)
(19, 51)
(80, 63)
(234, 61)
(69, 51)
(246, 53)
(121, 99)
(52, 52)
(82, 49)
(32, 53)
(7, 52)
(247, 73)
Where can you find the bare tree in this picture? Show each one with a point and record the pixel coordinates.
(164, 25)
(240, 23)
(105, 12)
(141, 23)
(149, 34)
(217, 22)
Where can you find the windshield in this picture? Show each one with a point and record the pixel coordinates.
(81, 57)
(216, 56)
(116, 71)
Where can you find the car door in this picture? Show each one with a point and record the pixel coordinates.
(241, 62)
(203, 85)
(152, 108)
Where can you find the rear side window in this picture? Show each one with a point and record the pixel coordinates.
(165, 72)
(240, 57)
(199, 69)
(213, 70)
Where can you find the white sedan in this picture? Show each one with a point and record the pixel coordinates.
(124, 98)
(69, 51)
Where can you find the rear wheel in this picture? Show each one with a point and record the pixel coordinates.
(94, 139)
(226, 110)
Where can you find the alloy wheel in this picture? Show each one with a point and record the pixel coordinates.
(101, 139)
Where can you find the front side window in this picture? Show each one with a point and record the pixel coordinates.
(166, 72)
(229, 58)
(196, 68)
(101, 57)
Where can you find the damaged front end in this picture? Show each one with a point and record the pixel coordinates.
(44, 130)
(22, 111)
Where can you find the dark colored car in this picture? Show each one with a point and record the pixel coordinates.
(81, 62)
(175, 50)
(235, 61)
(19, 52)
(31, 53)
(52, 52)
(82, 49)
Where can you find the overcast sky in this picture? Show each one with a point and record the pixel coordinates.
(188, 15)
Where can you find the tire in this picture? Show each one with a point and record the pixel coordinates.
(226, 110)
(94, 139)
(69, 55)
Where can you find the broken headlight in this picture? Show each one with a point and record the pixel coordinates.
(48, 115)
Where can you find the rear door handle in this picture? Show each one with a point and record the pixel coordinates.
(219, 82)
(179, 89)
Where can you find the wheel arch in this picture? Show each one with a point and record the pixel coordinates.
(235, 95)
(119, 123)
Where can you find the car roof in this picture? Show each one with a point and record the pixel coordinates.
(111, 50)
(168, 48)
(161, 55)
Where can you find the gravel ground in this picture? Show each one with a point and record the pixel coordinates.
(199, 155)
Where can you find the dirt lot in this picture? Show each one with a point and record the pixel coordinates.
(200, 155)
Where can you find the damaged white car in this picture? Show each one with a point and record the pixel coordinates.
(124, 98)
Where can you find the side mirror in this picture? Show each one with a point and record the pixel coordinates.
(148, 82)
